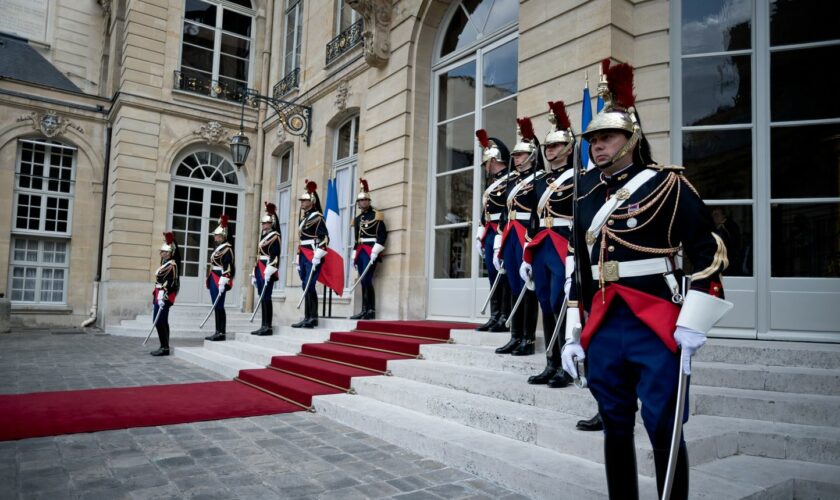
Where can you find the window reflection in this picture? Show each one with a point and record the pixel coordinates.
(791, 93)
(719, 163)
(454, 198)
(733, 223)
(453, 250)
(716, 25)
(456, 143)
(500, 72)
(802, 21)
(457, 91)
(716, 90)
(805, 240)
(500, 121)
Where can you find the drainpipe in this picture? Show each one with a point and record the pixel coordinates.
(95, 302)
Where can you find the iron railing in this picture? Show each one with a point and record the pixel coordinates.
(198, 83)
(345, 41)
(289, 83)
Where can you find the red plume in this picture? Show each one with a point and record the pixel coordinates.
(364, 183)
(620, 83)
(605, 66)
(270, 208)
(483, 138)
(311, 187)
(170, 238)
(223, 220)
(561, 118)
(526, 128)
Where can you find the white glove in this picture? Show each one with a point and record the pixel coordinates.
(377, 249)
(496, 262)
(572, 350)
(223, 281)
(353, 256)
(318, 255)
(253, 280)
(525, 273)
(567, 286)
(479, 246)
(269, 272)
(690, 341)
(297, 263)
(161, 295)
(161, 303)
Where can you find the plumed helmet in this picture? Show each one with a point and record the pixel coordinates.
(527, 138)
(169, 244)
(311, 193)
(270, 216)
(492, 148)
(619, 113)
(222, 228)
(562, 126)
(364, 190)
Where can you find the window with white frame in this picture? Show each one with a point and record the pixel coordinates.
(43, 206)
(216, 47)
(345, 16)
(293, 29)
(344, 165)
(284, 203)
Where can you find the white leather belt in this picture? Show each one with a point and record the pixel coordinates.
(523, 216)
(495, 217)
(307, 243)
(367, 240)
(558, 222)
(613, 270)
(216, 268)
(265, 258)
(158, 285)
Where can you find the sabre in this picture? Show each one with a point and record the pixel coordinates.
(579, 381)
(259, 302)
(218, 296)
(364, 272)
(306, 288)
(492, 290)
(154, 324)
(557, 324)
(516, 305)
(675, 436)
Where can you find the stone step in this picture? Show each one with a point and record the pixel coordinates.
(496, 384)
(529, 470)
(287, 340)
(484, 357)
(544, 428)
(227, 366)
(237, 318)
(741, 476)
(244, 351)
(805, 409)
(771, 353)
(489, 339)
(795, 379)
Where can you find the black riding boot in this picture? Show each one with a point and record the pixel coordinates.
(620, 462)
(268, 312)
(262, 320)
(306, 305)
(561, 378)
(370, 312)
(503, 292)
(517, 332)
(495, 310)
(530, 309)
(163, 336)
(363, 311)
(551, 364)
(661, 450)
(311, 320)
(220, 326)
(593, 424)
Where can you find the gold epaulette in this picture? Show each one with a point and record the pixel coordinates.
(378, 215)
(352, 222)
(675, 168)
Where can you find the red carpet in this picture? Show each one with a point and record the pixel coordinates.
(67, 412)
(326, 368)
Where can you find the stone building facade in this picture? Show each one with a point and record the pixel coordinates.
(396, 89)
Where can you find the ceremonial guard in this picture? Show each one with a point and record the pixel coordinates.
(544, 258)
(495, 158)
(517, 229)
(645, 318)
(166, 288)
(220, 276)
(314, 239)
(369, 235)
(265, 268)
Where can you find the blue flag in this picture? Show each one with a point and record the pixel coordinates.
(586, 117)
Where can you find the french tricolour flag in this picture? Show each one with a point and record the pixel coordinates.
(586, 117)
(332, 271)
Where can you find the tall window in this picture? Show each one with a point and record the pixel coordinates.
(344, 166)
(292, 35)
(43, 210)
(216, 47)
(344, 16)
(476, 87)
(284, 203)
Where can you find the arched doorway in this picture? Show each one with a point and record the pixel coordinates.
(204, 186)
(474, 75)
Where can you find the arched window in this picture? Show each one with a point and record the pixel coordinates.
(216, 47)
(205, 165)
(344, 168)
(45, 177)
(474, 85)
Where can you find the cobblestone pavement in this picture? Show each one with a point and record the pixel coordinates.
(293, 455)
